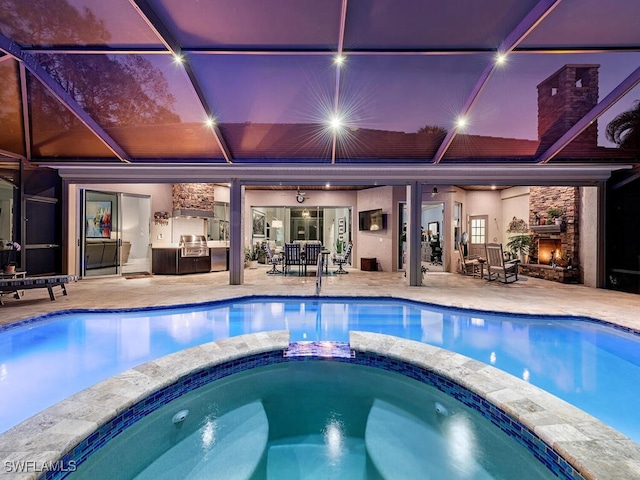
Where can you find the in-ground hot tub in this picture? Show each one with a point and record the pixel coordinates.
(313, 419)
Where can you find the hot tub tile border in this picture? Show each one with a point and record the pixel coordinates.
(198, 378)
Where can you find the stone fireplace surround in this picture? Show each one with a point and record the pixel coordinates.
(553, 237)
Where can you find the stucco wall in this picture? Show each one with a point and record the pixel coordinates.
(378, 244)
(588, 235)
(486, 203)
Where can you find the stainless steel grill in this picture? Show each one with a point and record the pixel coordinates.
(193, 246)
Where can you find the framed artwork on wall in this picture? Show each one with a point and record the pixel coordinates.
(433, 228)
(259, 224)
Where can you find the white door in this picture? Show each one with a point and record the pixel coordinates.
(478, 237)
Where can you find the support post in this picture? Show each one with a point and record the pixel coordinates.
(601, 244)
(236, 233)
(414, 233)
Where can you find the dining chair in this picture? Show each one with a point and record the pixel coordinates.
(311, 252)
(292, 256)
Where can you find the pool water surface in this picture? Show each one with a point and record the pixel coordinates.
(586, 363)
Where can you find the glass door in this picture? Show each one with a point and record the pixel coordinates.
(478, 237)
(100, 235)
(135, 228)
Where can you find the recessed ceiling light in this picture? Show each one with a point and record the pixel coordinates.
(461, 122)
(339, 60)
(336, 122)
(501, 58)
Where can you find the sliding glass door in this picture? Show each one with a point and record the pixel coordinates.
(115, 234)
(135, 245)
(99, 234)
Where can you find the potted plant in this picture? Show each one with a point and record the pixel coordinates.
(554, 214)
(10, 266)
(519, 245)
(251, 257)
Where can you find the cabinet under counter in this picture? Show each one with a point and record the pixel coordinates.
(169, 261)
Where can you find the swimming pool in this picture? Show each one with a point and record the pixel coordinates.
(313, 419)
(586, 363)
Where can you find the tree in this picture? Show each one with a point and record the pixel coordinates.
(114, 90)
(624, 130)
(433, 129)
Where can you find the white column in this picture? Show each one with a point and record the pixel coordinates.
(236, 233)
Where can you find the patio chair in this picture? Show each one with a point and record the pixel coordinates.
(272, 259)
(340, 260)
(311, 252)
(292, 256)
(497, 268)
(470, 265)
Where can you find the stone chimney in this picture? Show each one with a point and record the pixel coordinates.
(192, 199)
(563, 99)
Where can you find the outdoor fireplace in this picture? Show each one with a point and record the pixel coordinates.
(548, 249)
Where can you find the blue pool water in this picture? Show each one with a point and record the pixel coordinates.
(310, 420)
(592, 366)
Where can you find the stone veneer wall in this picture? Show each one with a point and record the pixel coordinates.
(193, 196)
(567, 199)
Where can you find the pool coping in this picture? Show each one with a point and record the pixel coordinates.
(255, 297)
(591, 447)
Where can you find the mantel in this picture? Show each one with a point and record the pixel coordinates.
(538, 229)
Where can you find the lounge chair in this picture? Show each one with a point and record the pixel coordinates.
(13, 285)
(497, 268)
(272, 259)
(340, 260)
(470, 265)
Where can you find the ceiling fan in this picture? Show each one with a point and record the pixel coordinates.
(435, 191)
(300, 196)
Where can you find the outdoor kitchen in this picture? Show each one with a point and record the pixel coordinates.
(181, 240)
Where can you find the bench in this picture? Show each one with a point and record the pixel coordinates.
(13, 285)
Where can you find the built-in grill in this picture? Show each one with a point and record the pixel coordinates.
(193, 246)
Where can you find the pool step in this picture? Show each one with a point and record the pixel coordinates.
(308, 457)
(403, 446)
(229, 447)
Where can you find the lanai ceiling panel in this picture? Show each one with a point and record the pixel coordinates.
(388, 105)
(436, 24)
(144, 102)
(507, 111)
(11, 131)
(250, 24)
(58, 133)
(273, 106)
(76, 23)
(588, 23)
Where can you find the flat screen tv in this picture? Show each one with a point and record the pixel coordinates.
(372, 220)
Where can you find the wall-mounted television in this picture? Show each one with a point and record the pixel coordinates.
(372, 220)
